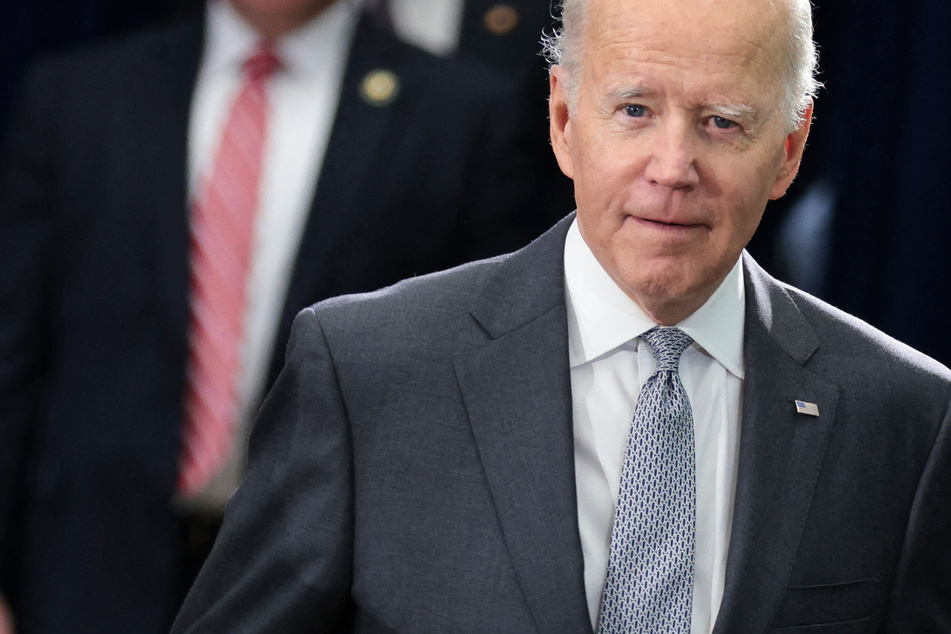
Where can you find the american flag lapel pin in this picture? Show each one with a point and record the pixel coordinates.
(809, 409)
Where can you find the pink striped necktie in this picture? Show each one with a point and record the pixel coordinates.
(222, 228)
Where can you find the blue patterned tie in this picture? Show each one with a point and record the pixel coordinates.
(649, 583)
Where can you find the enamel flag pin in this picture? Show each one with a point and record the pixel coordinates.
(809, 409)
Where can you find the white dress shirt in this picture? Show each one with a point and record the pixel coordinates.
(303, 97)
(432, 25)
(609, 364)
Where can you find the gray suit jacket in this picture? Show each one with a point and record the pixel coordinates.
(413, 470)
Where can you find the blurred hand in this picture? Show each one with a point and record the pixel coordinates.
(6, 617)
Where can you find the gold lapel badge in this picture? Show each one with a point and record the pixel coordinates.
(380, 87)
(500, 19)
(809, 409)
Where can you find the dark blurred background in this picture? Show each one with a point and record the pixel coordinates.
(867, 225)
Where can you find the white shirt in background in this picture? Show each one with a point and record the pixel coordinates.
(303, 96)
(433, 25)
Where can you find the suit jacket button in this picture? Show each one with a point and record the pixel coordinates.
(500, 19)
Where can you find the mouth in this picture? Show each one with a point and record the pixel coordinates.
(667, 225)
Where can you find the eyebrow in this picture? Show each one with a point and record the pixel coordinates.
(626, 94)
(734, 111)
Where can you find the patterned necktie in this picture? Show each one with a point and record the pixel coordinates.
(222, 226)
(649, 583)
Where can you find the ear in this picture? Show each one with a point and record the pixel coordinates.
(559, 120)
(792, 154)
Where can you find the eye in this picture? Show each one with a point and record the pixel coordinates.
(635, 111)
(723, 123)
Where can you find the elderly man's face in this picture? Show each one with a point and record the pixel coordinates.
(677, 142)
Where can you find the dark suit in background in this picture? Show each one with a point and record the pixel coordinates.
(29, 27)
(507, 37)
(94, 285)
(423, 481)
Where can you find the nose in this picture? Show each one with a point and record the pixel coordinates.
(673, 156)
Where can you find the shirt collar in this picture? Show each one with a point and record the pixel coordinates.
(602, 317)
(308, 50)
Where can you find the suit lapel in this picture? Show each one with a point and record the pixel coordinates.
(779, 456)
(517, 393)
(360, 126)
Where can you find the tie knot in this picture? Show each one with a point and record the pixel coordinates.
(667, 344)
(262, 63)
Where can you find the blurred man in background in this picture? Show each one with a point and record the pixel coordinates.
(169, 202)
(505, 36)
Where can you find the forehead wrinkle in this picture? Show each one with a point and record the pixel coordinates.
(751, 39)
(630, 55)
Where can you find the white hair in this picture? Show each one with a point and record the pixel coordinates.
(565, 48)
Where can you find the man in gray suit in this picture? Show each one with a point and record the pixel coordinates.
(446, 455)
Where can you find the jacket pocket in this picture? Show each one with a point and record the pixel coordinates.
(847, 603)
(861, 626)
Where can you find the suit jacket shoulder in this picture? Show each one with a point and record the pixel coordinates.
(832, 341)
(484, 299)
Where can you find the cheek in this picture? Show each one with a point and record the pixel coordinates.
(746, 190)
(604, 171)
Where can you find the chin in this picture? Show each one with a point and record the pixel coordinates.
(657, 286)
(668, 283)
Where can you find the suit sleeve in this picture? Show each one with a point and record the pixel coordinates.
(921, 598)
(283, 560)
(28, 211)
